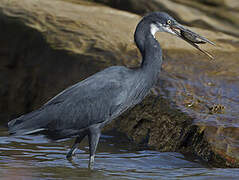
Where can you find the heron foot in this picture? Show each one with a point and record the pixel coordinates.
(93, 138)
(75, 145)
(91, 162)
(70, 154)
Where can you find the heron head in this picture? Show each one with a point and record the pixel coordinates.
(163, 22)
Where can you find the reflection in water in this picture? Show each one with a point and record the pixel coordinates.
(34, 157)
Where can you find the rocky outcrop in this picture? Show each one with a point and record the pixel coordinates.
(219, 15)
(49, 45)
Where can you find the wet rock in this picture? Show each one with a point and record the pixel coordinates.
(46, 46)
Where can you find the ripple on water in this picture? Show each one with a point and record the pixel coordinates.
(34, 157)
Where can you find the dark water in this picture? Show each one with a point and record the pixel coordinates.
(34, 157)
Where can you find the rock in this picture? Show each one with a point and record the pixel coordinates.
(47, 50)
(49, 45)
(233, 4)
(198, 13)
(212, 2)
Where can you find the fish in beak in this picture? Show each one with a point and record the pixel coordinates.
(191, 37)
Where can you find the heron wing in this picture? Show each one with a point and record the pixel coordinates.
(91, 101)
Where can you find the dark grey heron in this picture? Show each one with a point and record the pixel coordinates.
(84, 108)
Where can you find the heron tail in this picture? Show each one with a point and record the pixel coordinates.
(27, 124)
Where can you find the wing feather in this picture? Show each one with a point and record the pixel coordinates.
(92, 101)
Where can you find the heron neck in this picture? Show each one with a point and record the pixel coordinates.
(149, 47)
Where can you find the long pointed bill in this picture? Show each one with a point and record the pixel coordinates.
(191, 37)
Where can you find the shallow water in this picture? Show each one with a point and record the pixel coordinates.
(34, 157)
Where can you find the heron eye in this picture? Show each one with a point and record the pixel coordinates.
(169, 22)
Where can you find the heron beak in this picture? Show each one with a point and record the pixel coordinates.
(191, 37)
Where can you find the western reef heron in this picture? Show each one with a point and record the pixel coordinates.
(84, 108)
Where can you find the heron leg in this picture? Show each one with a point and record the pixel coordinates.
(75, 145)
(94, 137)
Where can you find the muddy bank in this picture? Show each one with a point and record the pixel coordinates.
(48, 45)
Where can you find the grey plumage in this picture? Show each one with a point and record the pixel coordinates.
(97, 99)
(84, 108)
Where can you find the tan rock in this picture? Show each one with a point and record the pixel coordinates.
(232, 3)
(194, 12)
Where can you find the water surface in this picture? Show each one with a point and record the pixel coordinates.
(34, 157)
